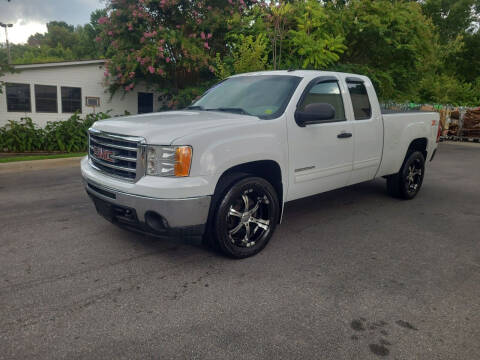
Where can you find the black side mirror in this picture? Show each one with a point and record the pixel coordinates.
(314, 113)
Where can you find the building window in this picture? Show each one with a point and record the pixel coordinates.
(71, 99)
(46, 99)
(361, 105)
(18, 97)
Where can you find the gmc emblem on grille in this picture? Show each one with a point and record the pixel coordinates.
(103, 154)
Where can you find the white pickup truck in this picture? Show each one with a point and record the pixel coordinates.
(224, 167)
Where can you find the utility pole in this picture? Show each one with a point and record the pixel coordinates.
(6, 26)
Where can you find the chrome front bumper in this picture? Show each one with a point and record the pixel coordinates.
(152, 215)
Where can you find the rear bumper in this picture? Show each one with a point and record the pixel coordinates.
(151, 215)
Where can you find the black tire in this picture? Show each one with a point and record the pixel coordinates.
(245, 217)
(407, 182)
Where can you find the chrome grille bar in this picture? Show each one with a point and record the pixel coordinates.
(123, 157)
(107, 164)
(103, 143)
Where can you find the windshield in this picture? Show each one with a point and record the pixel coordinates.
(265, 96)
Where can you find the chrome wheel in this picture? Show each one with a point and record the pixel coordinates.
(414, 176)
(248, 218)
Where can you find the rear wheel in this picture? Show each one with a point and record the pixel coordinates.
(246, 217)
(407, 182)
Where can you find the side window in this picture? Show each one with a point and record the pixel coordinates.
(361, 104)
(326, 92)
(18, 97)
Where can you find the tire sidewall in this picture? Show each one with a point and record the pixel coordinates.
(220, 226)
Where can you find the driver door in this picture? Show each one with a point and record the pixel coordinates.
(321, 152)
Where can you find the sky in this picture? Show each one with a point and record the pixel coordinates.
(30, 16)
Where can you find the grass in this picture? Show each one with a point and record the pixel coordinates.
(39, 157)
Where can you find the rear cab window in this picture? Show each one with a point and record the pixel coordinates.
(362, 110)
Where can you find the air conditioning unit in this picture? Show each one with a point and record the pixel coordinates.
(92, 101)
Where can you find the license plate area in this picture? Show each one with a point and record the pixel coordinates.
(113, 212)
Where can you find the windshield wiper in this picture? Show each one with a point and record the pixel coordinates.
(230, 109)
(194, 107)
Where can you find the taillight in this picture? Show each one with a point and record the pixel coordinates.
(439, 133)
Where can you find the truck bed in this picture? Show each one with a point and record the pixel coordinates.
(399, 129)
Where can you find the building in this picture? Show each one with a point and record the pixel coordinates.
(54, 91)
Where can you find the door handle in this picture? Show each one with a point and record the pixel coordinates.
(344, 135)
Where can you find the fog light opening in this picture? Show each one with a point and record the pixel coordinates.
(155, 221)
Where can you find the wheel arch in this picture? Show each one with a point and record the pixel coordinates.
(269, 170)
(418, 144)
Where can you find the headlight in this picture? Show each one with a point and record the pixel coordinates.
(168, 160)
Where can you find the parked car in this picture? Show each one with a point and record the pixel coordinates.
(224, 167)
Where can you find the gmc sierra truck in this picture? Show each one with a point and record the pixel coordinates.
(224, 167)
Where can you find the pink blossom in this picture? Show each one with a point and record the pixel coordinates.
(205, 45)
(103, 20)
(167, 59)
(151, 69)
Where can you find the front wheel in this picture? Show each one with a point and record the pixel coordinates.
(246, 217)
(407, 182)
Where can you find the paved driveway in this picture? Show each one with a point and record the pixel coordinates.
(350, 274)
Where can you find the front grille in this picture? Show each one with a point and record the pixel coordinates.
(116, 155)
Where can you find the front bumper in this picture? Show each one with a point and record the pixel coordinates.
(186, 216)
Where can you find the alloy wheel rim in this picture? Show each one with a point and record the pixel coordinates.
(248, 218)
(414, 176)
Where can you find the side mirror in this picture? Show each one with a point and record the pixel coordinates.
(314, 113)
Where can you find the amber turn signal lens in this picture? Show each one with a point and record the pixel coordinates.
(183, 159)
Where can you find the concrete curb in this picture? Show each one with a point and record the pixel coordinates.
(34, 165)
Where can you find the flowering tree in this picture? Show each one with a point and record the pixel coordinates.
(171, 43)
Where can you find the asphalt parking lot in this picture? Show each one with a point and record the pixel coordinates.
(350, 274)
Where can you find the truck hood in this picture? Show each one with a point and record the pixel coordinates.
(164, 127)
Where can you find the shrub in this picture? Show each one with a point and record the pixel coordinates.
(66, 136)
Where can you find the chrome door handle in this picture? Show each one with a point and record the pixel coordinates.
(344, 135)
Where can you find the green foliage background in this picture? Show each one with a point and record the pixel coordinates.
(421, 51)
(65, 136)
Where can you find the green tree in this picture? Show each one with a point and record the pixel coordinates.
(4, 69)
(310, 38)
(166, 44)
(452, 17)
(278, 16)
(393, 41)
(250, 54)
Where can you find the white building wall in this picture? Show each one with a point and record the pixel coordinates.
(88, 77)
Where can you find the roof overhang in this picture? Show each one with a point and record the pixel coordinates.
(59, 64)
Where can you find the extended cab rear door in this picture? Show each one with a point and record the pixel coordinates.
(320, 153)
(367, 129)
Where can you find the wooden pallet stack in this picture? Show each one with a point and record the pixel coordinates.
(471, 124)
